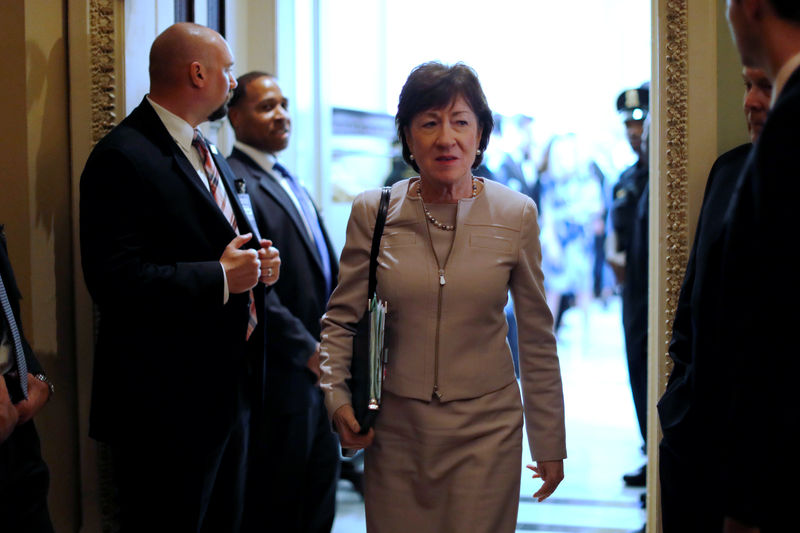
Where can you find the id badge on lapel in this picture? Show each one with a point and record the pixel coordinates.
(247, 205)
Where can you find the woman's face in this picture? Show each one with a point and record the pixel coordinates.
(444, 142)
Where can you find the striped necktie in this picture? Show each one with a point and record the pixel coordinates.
(221, 197)
(214, 185)
(311, 218)
(22, 367)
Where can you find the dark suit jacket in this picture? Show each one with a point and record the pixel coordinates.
(693, 327)
(758, 320)
(694, 403)
(170, 359)
(301, 287)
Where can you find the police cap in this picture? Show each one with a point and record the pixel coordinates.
(633, 104)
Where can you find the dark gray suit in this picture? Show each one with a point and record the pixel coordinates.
(297, 473)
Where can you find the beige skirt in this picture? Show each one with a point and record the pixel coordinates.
(445, 467)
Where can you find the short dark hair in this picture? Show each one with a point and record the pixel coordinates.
(433, 85)
(240, 92)
(787, 9)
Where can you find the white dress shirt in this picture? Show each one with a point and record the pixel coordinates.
(183, 133)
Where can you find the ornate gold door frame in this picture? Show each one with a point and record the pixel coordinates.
(685, 131)
(96, 75)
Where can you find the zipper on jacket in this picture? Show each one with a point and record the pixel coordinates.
(442, 282)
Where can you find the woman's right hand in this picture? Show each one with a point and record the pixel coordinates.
(347, 426)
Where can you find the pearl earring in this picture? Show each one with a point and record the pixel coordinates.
(411, 156)
(477, 152)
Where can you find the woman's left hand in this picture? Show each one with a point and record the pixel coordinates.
(551, 472)
(344, 419)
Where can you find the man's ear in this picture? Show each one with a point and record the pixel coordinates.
(197, 74)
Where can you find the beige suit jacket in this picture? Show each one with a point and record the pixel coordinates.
(451, 338)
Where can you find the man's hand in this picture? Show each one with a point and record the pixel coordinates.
(38, 396)
(8, 413)
(313, 363)
(241, 266)
(347, 426)
(270, 261)
(551, 472)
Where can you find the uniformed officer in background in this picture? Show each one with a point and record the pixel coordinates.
(632, 106)
(626, 246)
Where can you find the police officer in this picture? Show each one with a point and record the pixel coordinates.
(632, 106)
(628, 254)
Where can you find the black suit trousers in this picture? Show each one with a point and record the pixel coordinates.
(687, 504)
(171, 484)
(292, 488)
(24, 479)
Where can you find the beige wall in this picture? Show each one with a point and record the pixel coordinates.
(35, 205)
(251, 33)
(731, 125)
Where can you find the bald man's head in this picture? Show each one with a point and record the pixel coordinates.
(191, 71)
(177, 47)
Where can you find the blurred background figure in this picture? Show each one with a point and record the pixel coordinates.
(572, 202)
(400, 170)
(601, 285)
(510, 161)
(509, 156)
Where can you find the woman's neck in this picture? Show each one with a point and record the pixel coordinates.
(446, 193)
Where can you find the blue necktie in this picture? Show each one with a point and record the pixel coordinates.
(22, 368)
(310, 215)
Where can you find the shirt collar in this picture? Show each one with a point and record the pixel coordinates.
(783, 76)
(263, 159)
(179, 129)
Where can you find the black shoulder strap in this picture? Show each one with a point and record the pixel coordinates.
(380, 221)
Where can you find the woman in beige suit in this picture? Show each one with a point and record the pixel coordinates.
(446, 450)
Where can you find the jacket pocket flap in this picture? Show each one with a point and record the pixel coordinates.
(491, 242)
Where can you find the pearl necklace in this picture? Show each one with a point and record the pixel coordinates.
(431, 218)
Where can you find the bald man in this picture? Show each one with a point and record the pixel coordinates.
(178, 275)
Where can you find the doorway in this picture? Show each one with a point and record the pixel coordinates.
(527, 64)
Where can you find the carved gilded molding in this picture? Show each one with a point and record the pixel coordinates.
(103, 38)
(675, 76)
(103, 46)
